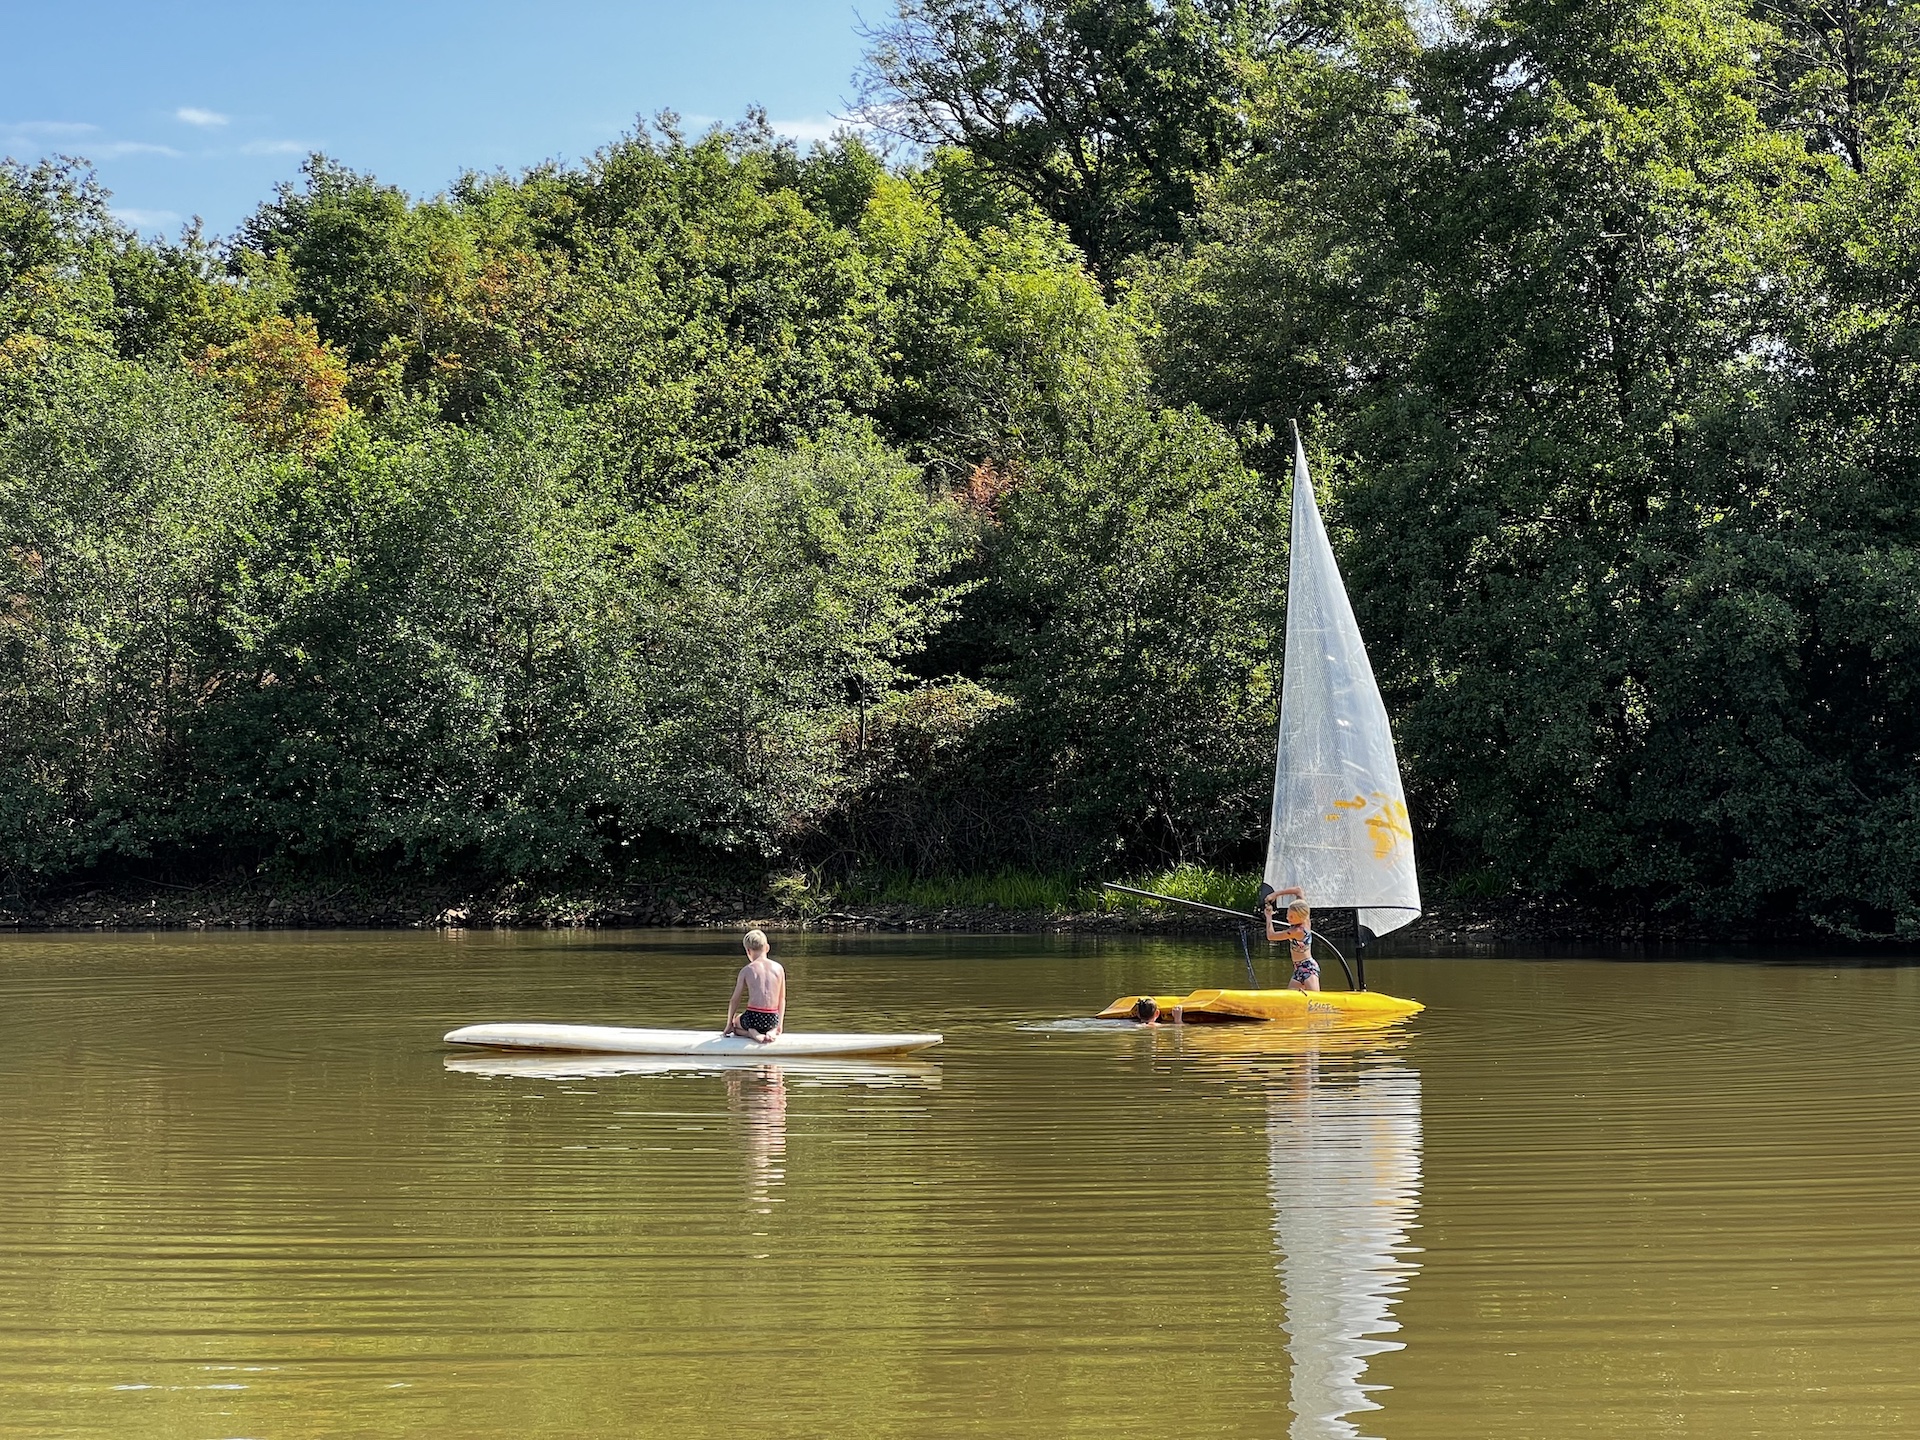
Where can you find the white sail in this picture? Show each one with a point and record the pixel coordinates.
(1340, 828)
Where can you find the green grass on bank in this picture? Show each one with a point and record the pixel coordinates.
(1230, 888)
(1057, 893)
(1008, 890)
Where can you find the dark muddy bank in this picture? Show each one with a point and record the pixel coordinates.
(393, 903)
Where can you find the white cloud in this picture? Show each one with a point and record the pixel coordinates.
(807, 131)
(146, 219)
(48, 136)
(51, 129)
(114, 149)
(276, 147)
(194, 115)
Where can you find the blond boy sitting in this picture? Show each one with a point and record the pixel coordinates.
(764, 985)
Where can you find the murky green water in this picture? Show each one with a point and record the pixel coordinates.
(244, 1191)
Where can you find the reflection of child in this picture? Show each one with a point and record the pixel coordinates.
(759, 1096)
(764, 985)
(1298, 933)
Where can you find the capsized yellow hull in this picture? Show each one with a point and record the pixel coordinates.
(1351, 1007)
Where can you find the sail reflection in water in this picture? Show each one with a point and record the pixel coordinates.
(1344, 1146)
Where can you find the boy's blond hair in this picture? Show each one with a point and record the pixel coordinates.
(755, 940)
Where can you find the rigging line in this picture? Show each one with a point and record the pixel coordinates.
(1360, 984)
(1177, 900)
(1342, 959)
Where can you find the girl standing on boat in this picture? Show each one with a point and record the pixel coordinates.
(1298, 933)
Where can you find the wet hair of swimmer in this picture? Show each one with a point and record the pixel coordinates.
(1144, 1009)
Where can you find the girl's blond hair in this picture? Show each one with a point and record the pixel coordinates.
(1298, 907)
(755, 939)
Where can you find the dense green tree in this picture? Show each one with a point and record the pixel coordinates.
(996, 344)
(73, 279)
(1109, 117)
(788, 592)
(450, 299)
(1136, 576)
(717, 496)
(1844, 74)
(56, 239)
(461, 651)
(128, 503)
(1563, 317)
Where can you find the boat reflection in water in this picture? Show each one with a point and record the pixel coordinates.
(1343, 1138)
(1343, 1165)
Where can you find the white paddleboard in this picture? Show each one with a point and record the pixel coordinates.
(618, 1040)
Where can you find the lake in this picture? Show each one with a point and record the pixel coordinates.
(246, 1191)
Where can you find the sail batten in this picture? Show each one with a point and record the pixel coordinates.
(1340, 830)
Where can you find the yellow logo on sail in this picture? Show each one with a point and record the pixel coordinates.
(1386, 827)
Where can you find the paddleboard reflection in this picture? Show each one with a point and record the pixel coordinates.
(1343, 1137)
(550, 1066)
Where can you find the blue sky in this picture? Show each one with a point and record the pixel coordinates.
(200, 108)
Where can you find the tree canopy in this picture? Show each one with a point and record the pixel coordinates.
(715, 497)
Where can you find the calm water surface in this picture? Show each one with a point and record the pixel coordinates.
(245, 1191)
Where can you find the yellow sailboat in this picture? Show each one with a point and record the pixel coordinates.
(1339, 830)
(1346, 1008)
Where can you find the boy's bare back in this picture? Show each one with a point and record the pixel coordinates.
(766, 982)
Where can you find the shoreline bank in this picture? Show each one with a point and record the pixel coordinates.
(367, 904)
